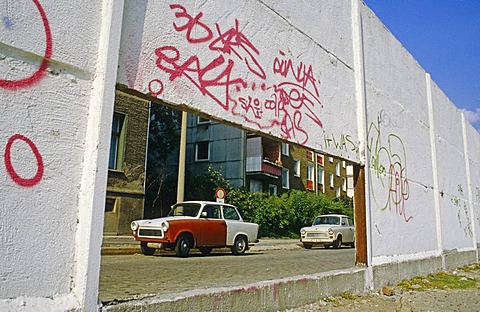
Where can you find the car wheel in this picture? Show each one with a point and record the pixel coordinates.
(352, 244)
(182, 247)
(205, 250)
(307, 246)
(338, 242)
(147, 251)
(240, 245)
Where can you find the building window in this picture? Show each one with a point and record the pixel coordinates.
(337, 191)
(310, 155)
(337, 168)
(320, 159)
(331, 180)
(117, 142)
(330, 159)
(285, 149)
(310, 177)
(256, 186)
(272, 189)
(296, 167)
(320, 176)
(344, 164)
(285, 178)
(202, 151)
(202, 121)
(344, 184)
(110, 204)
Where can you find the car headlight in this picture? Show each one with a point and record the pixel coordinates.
(302, 231)
(330, 231)
(134, 225)
(165, 226)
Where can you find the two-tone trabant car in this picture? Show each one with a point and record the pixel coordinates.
(196, 224)
(329, 230)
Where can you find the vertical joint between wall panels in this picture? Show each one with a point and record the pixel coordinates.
(360, 96)
(433, 149)
(469, 185)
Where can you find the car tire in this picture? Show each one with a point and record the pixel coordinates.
(338, 242)
(182, 247)
(205, 250)
(352, 244)
(240, 245)
(147, 251)
(307, 246)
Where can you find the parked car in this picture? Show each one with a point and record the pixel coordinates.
(196, 224)
(329, 230)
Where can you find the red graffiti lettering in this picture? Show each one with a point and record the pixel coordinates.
(233, 38)
(191, 23)
(40, 73)
(293, 101)
(303, 74)
(214, 74)
(27, 182)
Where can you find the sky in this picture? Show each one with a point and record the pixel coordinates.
(444, 37)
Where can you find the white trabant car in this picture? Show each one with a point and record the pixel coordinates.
(329, 230)
(196, 224)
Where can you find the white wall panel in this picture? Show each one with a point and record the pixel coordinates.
(268, 73)
(454, 210)
(398, 144)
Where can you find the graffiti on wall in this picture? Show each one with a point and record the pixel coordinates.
(17, 143)
(40, 72)
(343, 142)
(388, 164)
(228, 72)
(9, 164)
(457, 201)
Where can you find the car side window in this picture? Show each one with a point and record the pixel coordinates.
(229, 213)
(344, 222)
(213, 212)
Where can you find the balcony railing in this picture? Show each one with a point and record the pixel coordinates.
(263, 166)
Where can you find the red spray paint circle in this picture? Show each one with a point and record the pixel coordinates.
(27, 182)
(40, 73)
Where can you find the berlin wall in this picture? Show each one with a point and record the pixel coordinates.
(324, 74)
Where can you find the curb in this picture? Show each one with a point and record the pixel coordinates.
(134, 248)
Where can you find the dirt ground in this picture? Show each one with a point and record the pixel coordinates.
(415, 297)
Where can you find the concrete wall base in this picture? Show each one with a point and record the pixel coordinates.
(272, 295)
(296, 291)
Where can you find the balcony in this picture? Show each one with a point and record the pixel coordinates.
(257, 165)
(263, 157)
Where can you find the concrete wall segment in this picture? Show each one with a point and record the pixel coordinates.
(49, 55)
(245, 83)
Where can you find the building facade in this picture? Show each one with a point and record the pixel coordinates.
(259, 163)
(126, 169)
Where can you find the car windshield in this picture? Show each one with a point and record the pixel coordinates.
(190, 210)
(327, 220)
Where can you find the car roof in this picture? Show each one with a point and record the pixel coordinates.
(203, 202)
(333, 215)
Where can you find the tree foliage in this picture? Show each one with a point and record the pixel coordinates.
(163, 138)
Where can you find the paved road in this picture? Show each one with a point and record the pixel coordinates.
(124, 277)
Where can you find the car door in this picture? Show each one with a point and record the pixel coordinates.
(347, 230)
(213, 229)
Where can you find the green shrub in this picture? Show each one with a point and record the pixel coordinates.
(277, 216)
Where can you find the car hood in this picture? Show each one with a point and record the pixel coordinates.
(158, 221)
(322, 227)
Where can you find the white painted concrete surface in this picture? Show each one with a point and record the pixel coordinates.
(325, 74)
